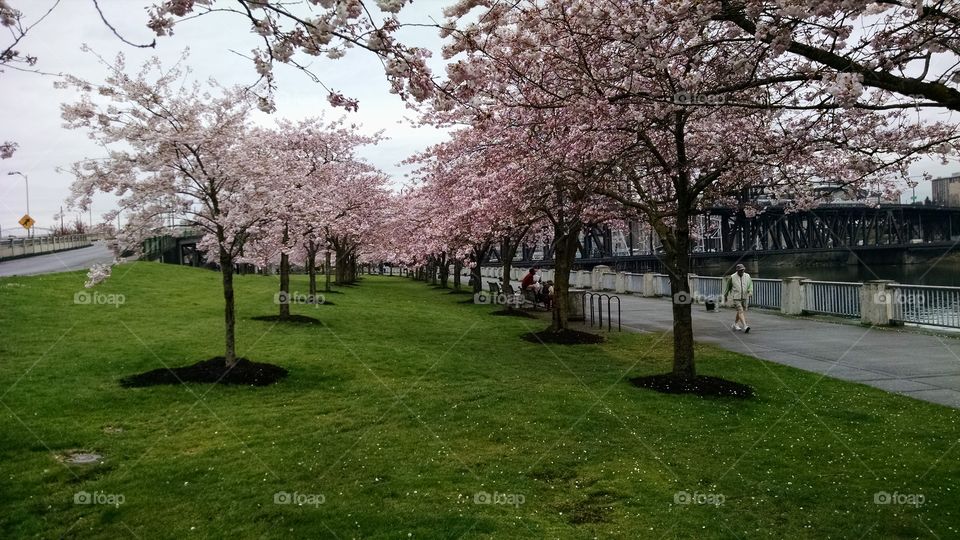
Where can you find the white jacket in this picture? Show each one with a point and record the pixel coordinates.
(739, 287)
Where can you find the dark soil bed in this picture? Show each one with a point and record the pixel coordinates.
(700, 385)
(565, 337)
(210, 371)
(515, 313)
(293, 319)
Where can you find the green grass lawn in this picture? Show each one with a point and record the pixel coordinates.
(407, 405)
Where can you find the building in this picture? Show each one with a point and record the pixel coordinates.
(946, 191)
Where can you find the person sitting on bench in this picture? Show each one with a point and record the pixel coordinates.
(528, 279)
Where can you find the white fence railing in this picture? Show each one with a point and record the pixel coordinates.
(832, 298)
(633, 283)
(922, 304)
(767, 293)
(707, 287)
(661, 284)
(913, 304)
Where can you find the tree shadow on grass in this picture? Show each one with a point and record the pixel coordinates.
(292, 319)
(212, 371)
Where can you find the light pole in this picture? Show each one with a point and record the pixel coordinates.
(26, 182)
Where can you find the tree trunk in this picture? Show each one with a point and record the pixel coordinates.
(284, 287)
(340, 277)
(508, 250)
(457, 269)
(326, 270)
(285, 278)
(229, 314)
(678, 266)
(443, 267)
(312, 271)
(565, 250)
(479, 253)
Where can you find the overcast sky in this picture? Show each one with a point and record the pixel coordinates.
(30, 106)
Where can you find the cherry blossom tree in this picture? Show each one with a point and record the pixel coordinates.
(907, 52)
(292, 29)
(175, 147)
(315, 180)
(661, 109)
(13, 23)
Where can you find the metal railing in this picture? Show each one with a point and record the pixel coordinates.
(832, 297)
(661, 284)
(924, 304)
(705, 287)
(633, 282)
(766, 293)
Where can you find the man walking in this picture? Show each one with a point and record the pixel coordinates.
(740, 288)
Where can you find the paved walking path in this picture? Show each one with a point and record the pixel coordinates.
(922, 366)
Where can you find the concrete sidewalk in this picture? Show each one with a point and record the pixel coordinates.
(919, 365)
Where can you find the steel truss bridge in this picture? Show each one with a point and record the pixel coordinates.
(727, 234)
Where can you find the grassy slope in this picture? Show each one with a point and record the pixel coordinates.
(407, 403)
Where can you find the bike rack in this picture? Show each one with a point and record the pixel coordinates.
(600, 297)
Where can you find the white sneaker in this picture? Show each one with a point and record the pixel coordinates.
(735, 327)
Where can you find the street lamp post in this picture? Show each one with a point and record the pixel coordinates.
(26, 182)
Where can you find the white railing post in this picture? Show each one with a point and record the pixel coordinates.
(620, 283)
(792, 296)
(649, 285)
(876, 302)
(596, 282)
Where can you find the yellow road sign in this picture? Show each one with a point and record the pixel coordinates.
(27, 221)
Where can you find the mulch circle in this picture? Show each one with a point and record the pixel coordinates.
(295, 319)
(515, 313)
(213, 370)
(700, 385)
(564, 337)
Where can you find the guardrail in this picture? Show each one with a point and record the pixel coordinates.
(924, 304)
(11, 248)
(832, 298)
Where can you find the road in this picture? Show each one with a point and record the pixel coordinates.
(64, 261)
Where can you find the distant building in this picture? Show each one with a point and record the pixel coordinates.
(946, 191)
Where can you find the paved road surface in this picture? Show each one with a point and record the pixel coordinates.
(74, 259)
(922, 366)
